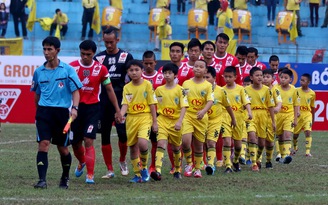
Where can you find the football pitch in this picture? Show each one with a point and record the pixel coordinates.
(303, 181)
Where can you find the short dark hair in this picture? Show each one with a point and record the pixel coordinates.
(177, 44)
(281, 69)
(148, 54)
(57, 10)
(253, 70)
(134, 62)
(111, 30)
(242, 50)
(288, 72)
(88, 45)
(268, 71)
(247, 79)
(253, 50)
(211, 71)
(308, 76)
(193, 43)
(223, 36)
(273, 58)
(201, 60)
(230, 69)
(170, 67)
(208, 43)
(52, 41)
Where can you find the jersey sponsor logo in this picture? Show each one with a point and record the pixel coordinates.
(90, 128)
(197, 102)
(122, 57)
(96, 70)
(234, 108)
(112, 69)
(284, 108)
(159, 79)
(209, 112)
(229, 61)
(86, 73)
(101, 59)
(85, 81)
(304, 108)
(8, 98)
(138, 107)
(60, 84)
(168, 111)
(184, 72)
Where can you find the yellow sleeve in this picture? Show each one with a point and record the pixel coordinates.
(151, 97)
(296, 98)
(270, 100)
(169, 30)
(183, 99)
(244, 97)
(210, 94)
(124, 100)
(276, 95)
(225, 100)
(312, 104)
(65, 18)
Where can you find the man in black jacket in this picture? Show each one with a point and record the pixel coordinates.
(17, 9)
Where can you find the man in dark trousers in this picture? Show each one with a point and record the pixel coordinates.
(17, 9)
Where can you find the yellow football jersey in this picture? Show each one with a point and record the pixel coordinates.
(170, 101)
(290, 99)
(260, 99)
(138, 98)
(237, 97)
(220, 100)
(307, 99)
(276, 95)
(198, 94)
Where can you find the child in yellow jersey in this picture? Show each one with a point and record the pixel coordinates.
(200, 98)
(238, 99)
(268, 80)
(261, 101)
(171, 107)
(215, 119)
(287, 117)
(244, 154)
(139, 103)
(307, 110)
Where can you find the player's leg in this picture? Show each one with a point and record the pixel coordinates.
(153, 140)
(211, 153)
(237, 136)
(198, 149)
(300, 125)
(186, 148)
(252, 146)
(308, 143)
(66, 161)
(159, 156)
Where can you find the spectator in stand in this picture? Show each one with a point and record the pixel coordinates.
(163, 4)
(271, 5)
(181, 3)
(223, 13)
(60, 19)
(7, 4)
(325, 22)
(240, 4)
(17, 9)
(88, 10)
(294, 5)
(314, 6)
(201, 4)
(212, 8)
(117, 4)
(163, 32)
(4, 16)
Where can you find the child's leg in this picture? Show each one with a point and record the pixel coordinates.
(308, 142)
(227, 151)
(286, 143)
(134, 155)
(261, 144)
(211, 152)
(252, 147)
(198, 149)
(143, 147)
(186, 147)
(161, 146)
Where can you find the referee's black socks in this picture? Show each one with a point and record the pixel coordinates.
(66, 162)
(42, 165)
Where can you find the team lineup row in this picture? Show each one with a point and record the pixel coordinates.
(198, 100)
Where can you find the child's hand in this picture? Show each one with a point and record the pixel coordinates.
(233, 123)
(250, 116)
(118, 117)
(154, 127)
(276, 110)
(178, 126)
(294, 124)
(274, 126)
(200, 114)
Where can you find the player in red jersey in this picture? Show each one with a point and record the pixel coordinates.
(157, 79)
(241, 55)
(274, 65)
(208, 50)
(92, 74)
(224, 59)
(252, 57)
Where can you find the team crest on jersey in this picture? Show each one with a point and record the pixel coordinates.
(184, 72)
(216, 101)
(308, 100)
(129, 97)
(145, 94)
(159, 79)
(96, 70)
(90, 128)
(122, 57)
(237, 98)
(263, 99)
(101, 59)
(160, 99)
(218, 68)
(290, 99)
(176, 100)
(86, 73)
(229, 61)
(60, 84)
(185, 91)
(203, 93)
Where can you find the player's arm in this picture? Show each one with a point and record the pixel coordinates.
(233, 119)
(271, 110)
(154, 116)
(113, 100)
(312, 107)
(178, 125)
(201, 113)
(249, 111)
(124, 108)
(36, 100)
(76, 100)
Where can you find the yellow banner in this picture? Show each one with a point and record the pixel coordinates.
(166, 47)
(11, 46)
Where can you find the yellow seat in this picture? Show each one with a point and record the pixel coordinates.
(241, 23)
(283, 23)
(111, 17)
(197, 22)
(154, 20)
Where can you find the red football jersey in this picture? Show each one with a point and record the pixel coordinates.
(91, 77)
(156, 80)
(245, 69)
(221, 63)
(276, 79)
(259, 65)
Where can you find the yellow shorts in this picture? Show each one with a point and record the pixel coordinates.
(138, 126)
(244, 131)
(196, 127)
(214, 128)
(167, 132)
(284, 122)
(259, 123)
(270, 133)
(237, 132)
(304, 122)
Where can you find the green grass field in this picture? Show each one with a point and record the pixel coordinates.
(304, 181)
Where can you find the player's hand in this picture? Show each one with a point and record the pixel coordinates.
(233, 123)
(294, 124)
(73, 114)
(200, 114)
(118, 117)
(178, 126)
(154, 127)
(250, 116)
(274, 126)
(276, 110)
(298, 114)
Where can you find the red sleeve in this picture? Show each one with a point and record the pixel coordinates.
(238, 71)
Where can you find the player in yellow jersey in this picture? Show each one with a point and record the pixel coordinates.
(287, 117)
(171, 107)
(306, 118)
(268, 80)
(261, 101)
(139, 102)
(200, 98)
(244, 154)
(238, 100)
(215, 119)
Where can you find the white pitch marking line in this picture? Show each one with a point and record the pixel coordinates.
(15, 142)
